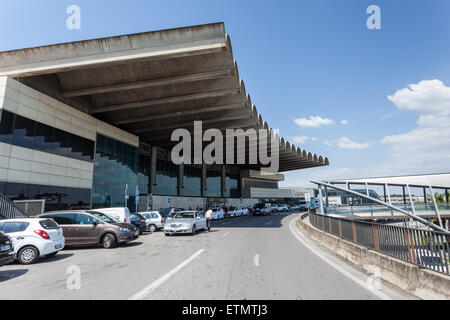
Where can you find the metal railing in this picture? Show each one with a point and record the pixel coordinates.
(8, 210)
(427, 249)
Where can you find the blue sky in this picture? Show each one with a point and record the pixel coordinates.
(302, 59)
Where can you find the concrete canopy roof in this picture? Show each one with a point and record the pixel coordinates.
(151, 83)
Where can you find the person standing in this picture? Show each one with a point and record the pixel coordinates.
(208, 216)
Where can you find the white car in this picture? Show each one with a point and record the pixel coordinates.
(153, 220)
(282, 208)
(274, 208)
(33, 238)
(119, 214)
(245, 212)
(238, 212)
(218, 213)
(185, 222)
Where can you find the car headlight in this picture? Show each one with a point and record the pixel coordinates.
(124, 229)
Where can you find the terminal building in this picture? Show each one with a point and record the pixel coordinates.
(83, 122)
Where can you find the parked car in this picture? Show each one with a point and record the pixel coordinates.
(92, 227)
(120, 214)
(6, 250)
(295, 208)
(33, 238)
(185, 222)
(282, 208)
(261, 209)
(138, 221)
(238, 212)
(245, 212)
(218, 213)
(153, 220)
(232, 212)
(274, 207)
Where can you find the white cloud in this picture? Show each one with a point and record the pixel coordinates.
(426, 97)
(344, 122)
(346, 143)
(314, 139)
(327, 143)
(427, 147)
(299, 139)
(313, 122)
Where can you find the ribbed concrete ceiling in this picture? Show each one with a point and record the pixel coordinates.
(151, 83)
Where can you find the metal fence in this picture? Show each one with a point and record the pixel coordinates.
(8, 210)
(427, 249)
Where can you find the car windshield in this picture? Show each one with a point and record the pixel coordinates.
(103, 217)
(183, 215)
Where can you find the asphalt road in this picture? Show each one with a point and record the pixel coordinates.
(242, 258)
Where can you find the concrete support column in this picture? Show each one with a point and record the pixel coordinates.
(425, 195)
(446, 195)
(153, 170)
(224, 180)
(180, 180)
(204, 180)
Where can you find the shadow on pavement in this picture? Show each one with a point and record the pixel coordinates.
(11, 274)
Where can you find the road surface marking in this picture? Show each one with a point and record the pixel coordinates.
(225, 234)
(151, 287)
(362, 283)
(267, 223)
(256, 260)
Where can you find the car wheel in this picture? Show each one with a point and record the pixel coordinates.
(140, 230)
(152, 228)
(28, 255)
(166, 234)
(52, 254)
(109, 241)
(193, 231)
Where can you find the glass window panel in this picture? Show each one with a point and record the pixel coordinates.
(44, 138)
(166, 178)
(61, 145)
(213, 183)
(192, 181)
(23, 135)
(6, 126)
(115, 166)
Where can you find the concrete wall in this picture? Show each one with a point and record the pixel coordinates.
(29, 103)
(425, 284)
(22, 165)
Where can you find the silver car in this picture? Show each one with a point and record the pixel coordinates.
(185, 222)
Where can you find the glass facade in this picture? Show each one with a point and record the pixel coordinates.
(166, 178)
(23, 132)
(56, 198)
(232, 186)
(192, 181)
(144, 173)
(213, 184)
(115, 166)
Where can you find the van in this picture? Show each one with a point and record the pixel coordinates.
(92, 227)
(120, 214)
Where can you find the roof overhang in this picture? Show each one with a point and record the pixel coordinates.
(151, 83)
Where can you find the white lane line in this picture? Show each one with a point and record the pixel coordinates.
(256, 260)
(225, 234)
(268, 223)
(362, 283)
(151, 287)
